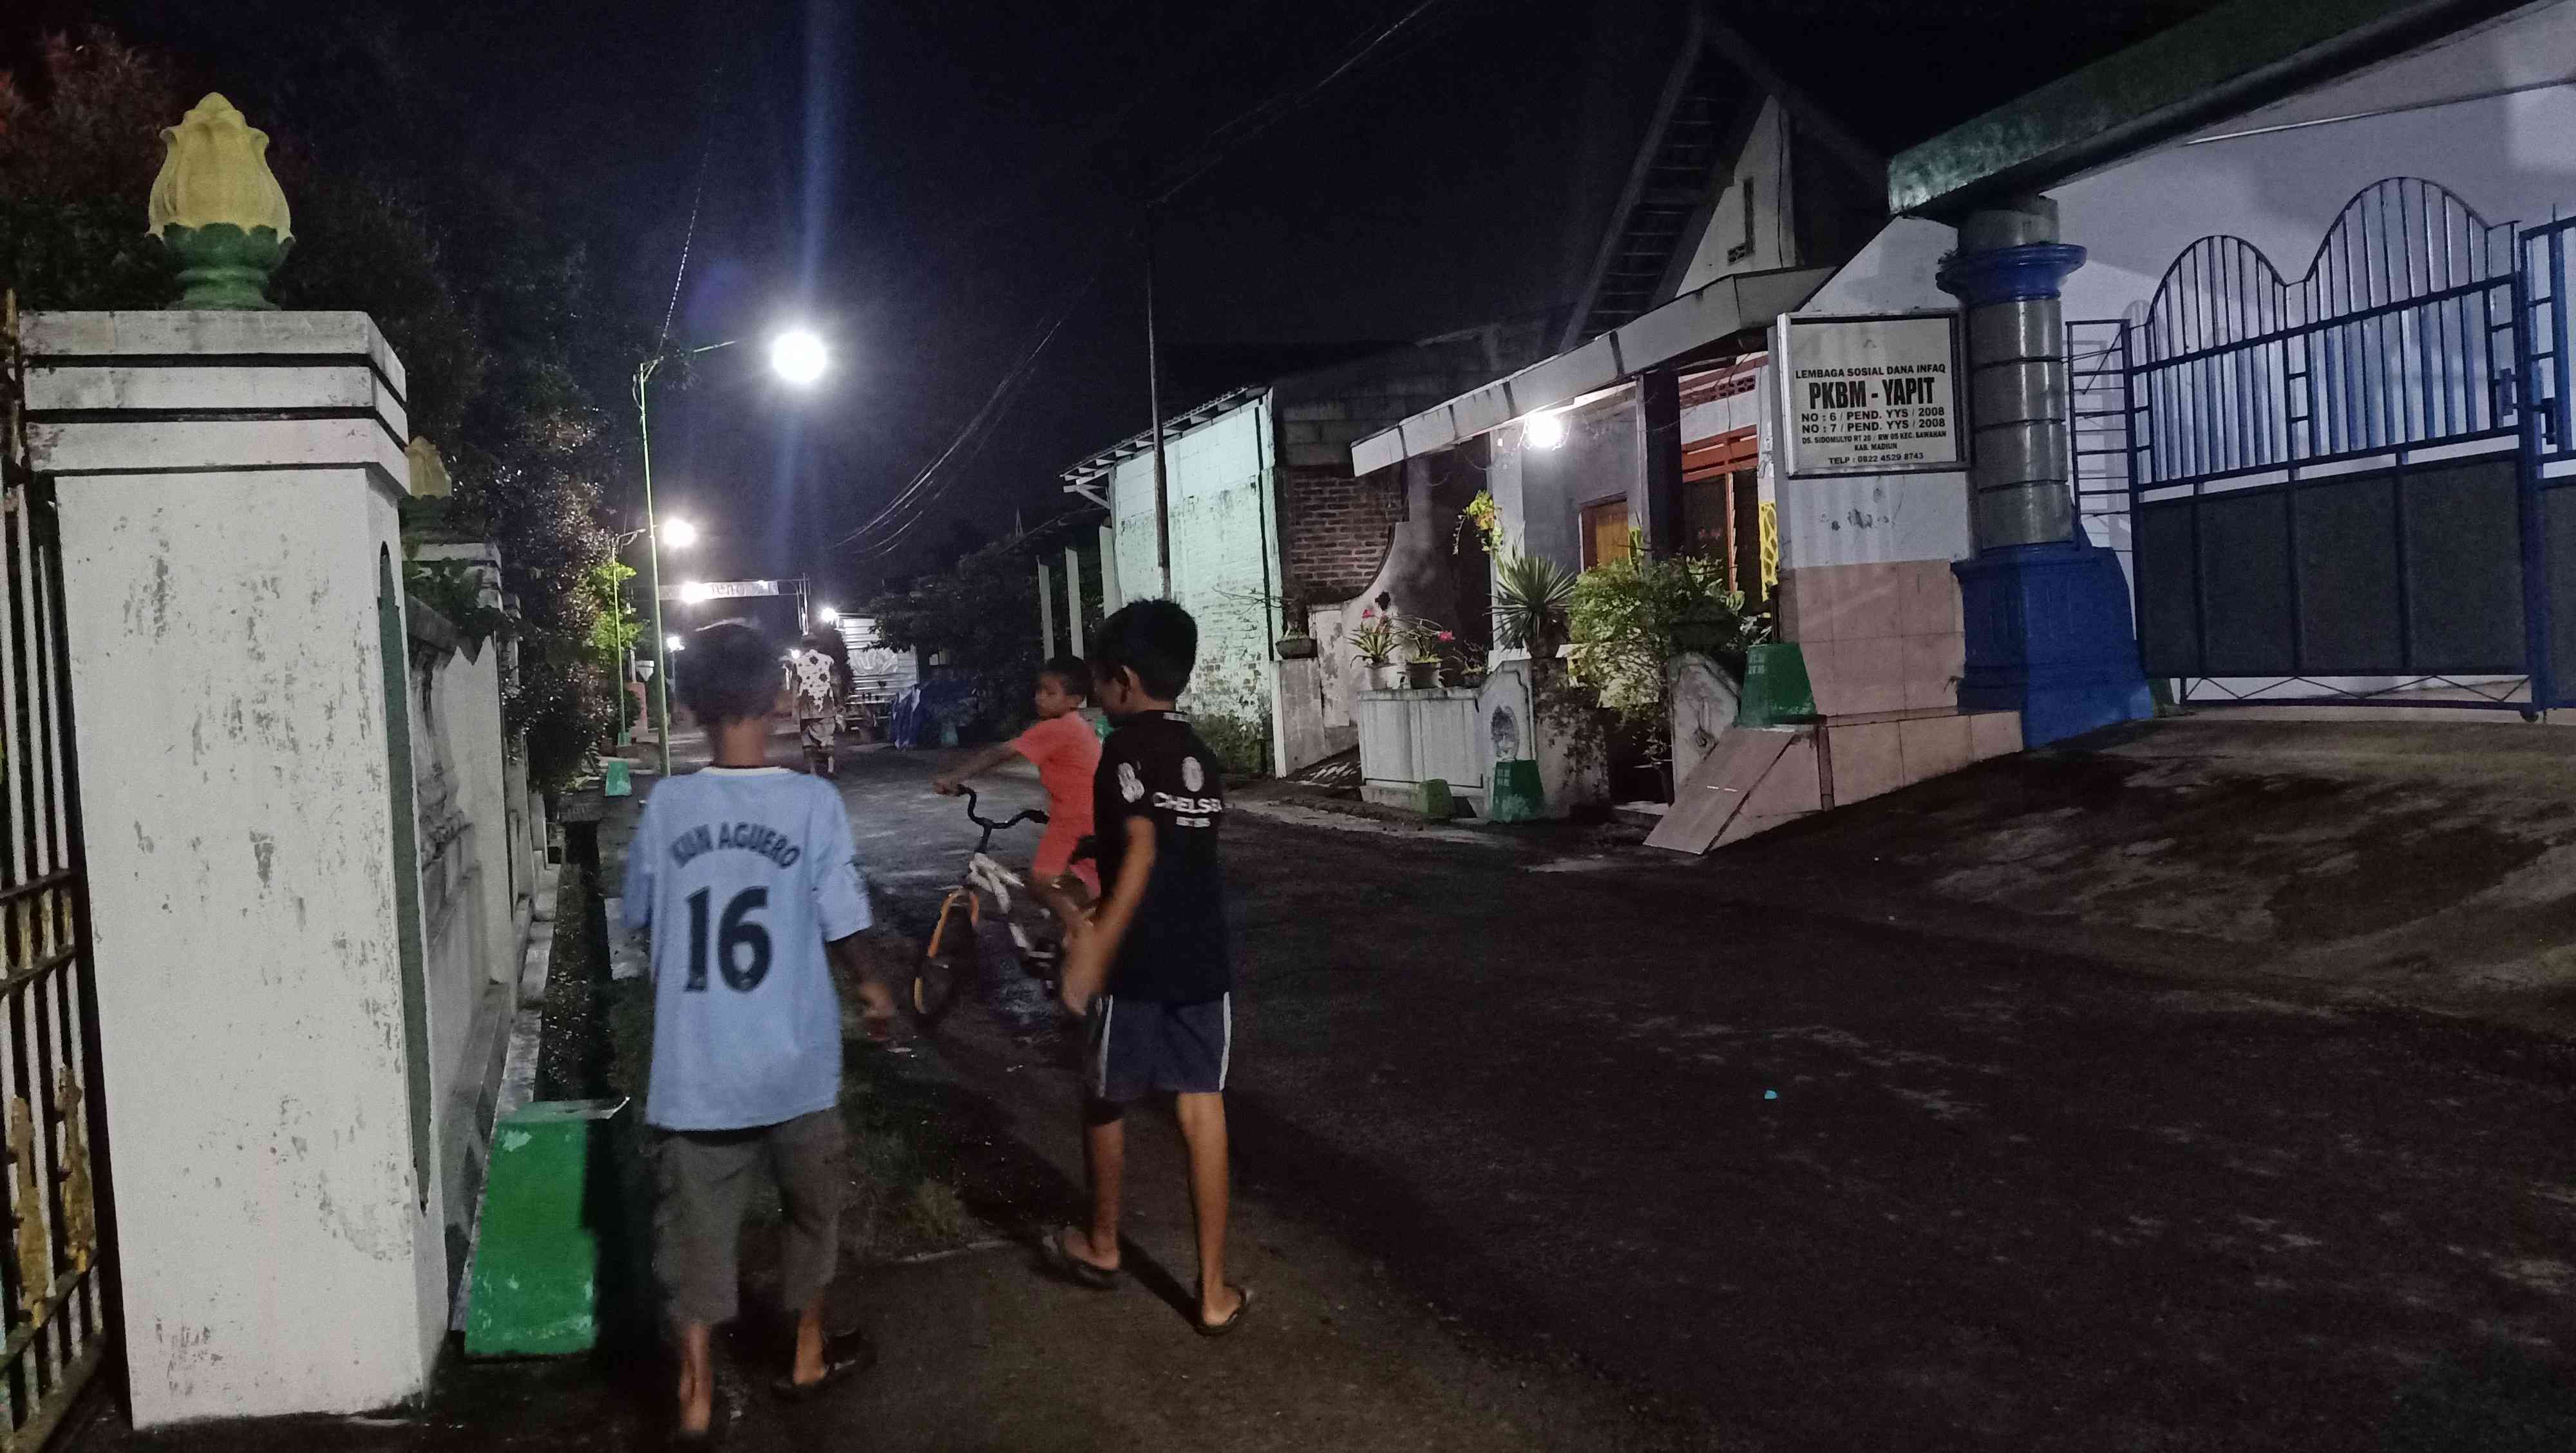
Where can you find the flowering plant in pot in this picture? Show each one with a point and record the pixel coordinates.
(1425, 643)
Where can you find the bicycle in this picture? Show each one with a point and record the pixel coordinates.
(954, 955)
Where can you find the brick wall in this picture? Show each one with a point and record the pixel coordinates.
(1334, 530)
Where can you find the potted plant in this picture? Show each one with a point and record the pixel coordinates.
(1375, 642)
(1531, 593)
(1424, 644)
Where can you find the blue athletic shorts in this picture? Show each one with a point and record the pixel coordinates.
(1140, 1047)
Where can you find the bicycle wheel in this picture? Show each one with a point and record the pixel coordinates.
(947, 968)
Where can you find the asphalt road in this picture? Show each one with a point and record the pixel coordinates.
(1776, 1178)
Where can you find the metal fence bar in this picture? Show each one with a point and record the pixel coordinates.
(53, 1316)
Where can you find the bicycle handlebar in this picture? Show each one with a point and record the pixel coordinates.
(989, 826)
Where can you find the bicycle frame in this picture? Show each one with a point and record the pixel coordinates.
(983, 873)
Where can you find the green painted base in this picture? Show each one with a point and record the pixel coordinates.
(1516, 795)
(547, 1256)
(1435, 800)
(222, 268)
(1776, 690)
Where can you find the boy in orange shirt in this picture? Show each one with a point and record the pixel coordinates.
(1066, 752)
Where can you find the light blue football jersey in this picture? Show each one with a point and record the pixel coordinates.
(742, 874)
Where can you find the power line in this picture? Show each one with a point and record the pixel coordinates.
(1222, 143)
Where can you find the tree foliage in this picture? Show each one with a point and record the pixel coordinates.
(979, 617)
(491, 304)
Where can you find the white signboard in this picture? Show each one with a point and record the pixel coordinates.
(721, 590)
(1871, 395)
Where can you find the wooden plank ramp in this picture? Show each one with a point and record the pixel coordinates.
(1718, 788)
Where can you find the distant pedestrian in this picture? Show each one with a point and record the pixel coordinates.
(1066, 752)
(1153, 973)
(815, 676)
(748, 879)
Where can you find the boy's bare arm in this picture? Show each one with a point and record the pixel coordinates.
(1086, 964)
(865, 961)
(947, 784)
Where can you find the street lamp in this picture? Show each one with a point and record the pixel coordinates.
(798, 357)
(825, 615)
(681, 535)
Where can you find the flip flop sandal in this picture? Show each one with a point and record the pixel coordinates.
(844, 1357)
(1063, 1265)
(1241, 1309)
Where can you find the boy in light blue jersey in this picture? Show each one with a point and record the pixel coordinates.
(746, 876)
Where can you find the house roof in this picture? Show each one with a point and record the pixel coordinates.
(1679, 328)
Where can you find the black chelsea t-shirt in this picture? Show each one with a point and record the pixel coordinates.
(1154, 767)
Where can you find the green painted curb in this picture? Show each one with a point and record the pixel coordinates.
(551, 1248)
(1516, 796)
(1776, 690)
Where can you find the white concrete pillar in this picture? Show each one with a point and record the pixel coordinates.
(233, 601)
(1110, 599)
(1073, 599)
(1046, 612)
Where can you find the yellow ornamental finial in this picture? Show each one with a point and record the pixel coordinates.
(219, 209)
(428, 471)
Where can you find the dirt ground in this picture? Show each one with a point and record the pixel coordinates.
(1901, 1132)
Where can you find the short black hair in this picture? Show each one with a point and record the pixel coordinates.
(1072, 672)
(733, 673)
(1154, 638)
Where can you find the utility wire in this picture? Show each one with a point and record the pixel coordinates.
(698, 194)
(1224, 141)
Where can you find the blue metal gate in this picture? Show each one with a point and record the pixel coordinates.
(2334, 486)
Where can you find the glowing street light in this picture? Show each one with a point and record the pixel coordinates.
(798, 356)
(1545, 431)
(696, 592)
(825, 615)
(672, 643)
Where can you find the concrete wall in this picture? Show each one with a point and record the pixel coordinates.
(223, 568)
(1225, 563)
(2506, 156)
(460, 773)
(1877, 519)
(1762, 219)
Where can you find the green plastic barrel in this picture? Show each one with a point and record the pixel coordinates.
(616, 777)
(1776, 690)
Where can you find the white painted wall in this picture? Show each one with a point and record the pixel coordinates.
(2506, 156)
(1765, 164)
(1225, 551)
(1871, 519)
(278, 1255)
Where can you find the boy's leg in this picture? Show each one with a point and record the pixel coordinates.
(807, 1155)
(1196, 1050)
(1104, 1136)
(1202, 1118)
(697, 1223)
(1104, 1159)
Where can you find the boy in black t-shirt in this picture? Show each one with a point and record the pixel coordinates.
(1153, 973)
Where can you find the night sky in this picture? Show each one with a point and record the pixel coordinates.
(928, 184)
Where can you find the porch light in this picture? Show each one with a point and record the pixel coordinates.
(1544, 431)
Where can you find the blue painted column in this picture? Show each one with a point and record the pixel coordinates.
(2048, 627)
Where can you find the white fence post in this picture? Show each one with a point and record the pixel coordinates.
(232, 596)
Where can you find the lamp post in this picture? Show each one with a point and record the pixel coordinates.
(796, 356)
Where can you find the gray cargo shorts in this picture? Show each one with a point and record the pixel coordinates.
(704, 1179)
